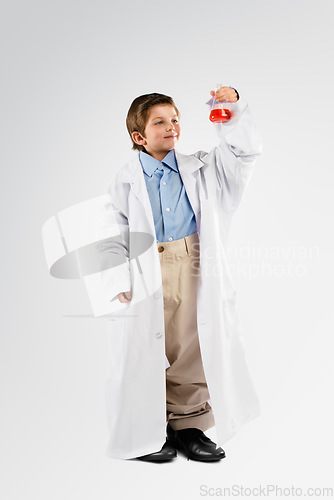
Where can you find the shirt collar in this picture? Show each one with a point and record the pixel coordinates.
(150, 164)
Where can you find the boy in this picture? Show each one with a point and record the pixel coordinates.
(186, 203)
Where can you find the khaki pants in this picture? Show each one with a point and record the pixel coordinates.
(186, 390)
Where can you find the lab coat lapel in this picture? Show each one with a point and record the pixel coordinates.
(139, 190)
(188, 166)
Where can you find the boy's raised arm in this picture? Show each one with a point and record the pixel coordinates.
(240, 133)
(234, 157)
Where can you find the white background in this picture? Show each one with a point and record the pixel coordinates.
(69, 72)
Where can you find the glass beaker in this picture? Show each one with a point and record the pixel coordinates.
(220, 111)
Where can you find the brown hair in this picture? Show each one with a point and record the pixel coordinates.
(137, 116)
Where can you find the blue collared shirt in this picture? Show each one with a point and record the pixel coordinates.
(173, 215)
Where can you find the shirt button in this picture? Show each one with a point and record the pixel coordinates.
(158, 335)
(157, 295)
(164, 183)
(170, 238)
(161, 249)
(167, 209)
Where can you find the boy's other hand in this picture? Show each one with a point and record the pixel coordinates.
(124, 297)
(224, 94)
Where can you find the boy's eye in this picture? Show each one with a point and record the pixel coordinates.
(157, 123)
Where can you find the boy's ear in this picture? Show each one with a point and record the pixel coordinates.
(138, 138)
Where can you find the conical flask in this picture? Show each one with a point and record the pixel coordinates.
(220, 112)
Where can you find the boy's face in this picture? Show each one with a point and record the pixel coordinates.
(162, 131)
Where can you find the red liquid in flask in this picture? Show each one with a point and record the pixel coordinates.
(220, 115)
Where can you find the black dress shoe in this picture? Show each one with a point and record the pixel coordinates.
(166, 454)
(194, 444)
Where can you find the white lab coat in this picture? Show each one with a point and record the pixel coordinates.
(135, 392)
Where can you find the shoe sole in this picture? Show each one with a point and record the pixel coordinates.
(156, 461)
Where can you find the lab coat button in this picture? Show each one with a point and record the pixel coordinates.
(158, 335)
(161, 249)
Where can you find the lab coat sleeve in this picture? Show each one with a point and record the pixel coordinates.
(114, 242)
(234, 158)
